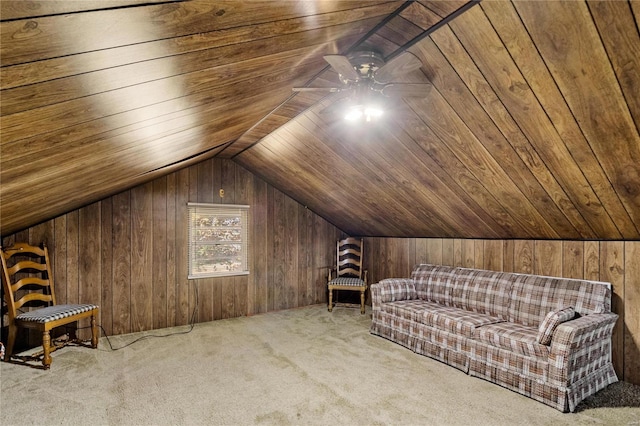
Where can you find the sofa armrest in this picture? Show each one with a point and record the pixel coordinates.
(391, 290)
(579, 347)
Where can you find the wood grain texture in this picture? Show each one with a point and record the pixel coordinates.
(170, 82)
(632, 311)
(616, 27)
(160, 233)
(473, 29)
(529, 132)
(32, 39)
(120, 263)
(89, 247)
(106, 263)
(16, 9)
(142, 257)
(119, 253)
(517, 39)
(614, 131)
(612, 267)
(617, 263)
(472, 104)
(573, 259)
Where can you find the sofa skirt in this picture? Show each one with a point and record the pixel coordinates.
(553, 396)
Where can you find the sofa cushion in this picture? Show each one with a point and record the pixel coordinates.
(486, 292)
(551, 321)
(515, 337)
(434, 283)
(534, 296)
(410, 309)
(457, 321)
(488, 357)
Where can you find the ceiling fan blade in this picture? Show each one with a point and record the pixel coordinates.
(403, 90)
(401, 64)
(342, 66)
(338, 102)
(316, 89)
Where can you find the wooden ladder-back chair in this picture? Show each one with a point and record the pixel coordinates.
(349, 274)
(27, 281)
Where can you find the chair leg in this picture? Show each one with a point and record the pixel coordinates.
(73, 336)
(46, 349)
(362, 310)
(330, 299)
(94, 331)
(11, 340)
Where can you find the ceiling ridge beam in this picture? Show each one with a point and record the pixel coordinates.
(453, 15)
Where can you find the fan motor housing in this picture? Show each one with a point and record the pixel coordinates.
(366, 62)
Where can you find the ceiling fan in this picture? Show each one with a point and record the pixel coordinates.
(367, 79)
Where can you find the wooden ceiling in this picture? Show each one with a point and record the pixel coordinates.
(531, 129)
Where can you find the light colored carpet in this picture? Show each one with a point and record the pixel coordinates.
(303, 366)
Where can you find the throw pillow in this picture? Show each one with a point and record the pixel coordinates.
(551, 321)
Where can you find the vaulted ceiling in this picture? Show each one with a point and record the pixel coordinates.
(531, 128)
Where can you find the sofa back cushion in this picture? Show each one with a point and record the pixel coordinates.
(533, 297)
(520, 298)
(485, 292)
(434, 283)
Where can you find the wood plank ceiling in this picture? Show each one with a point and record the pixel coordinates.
(531, 129)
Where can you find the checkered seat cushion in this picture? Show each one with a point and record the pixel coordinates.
(355, 282)
(53, 313)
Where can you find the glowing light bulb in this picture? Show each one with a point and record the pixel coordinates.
(372, 112)
(356, 112)
(353, 114)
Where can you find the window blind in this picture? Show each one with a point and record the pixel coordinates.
(218, 240)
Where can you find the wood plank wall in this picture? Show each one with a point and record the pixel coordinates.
(617, 262)
(128, 253)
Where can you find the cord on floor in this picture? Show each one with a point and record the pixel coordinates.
(191, 326)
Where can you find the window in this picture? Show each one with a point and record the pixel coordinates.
(218, 243)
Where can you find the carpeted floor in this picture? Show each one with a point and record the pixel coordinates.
(304, 366)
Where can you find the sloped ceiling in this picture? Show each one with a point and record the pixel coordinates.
(530, 129)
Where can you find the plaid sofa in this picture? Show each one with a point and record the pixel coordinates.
(546, 338)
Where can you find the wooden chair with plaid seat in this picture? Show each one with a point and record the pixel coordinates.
(349, 274)
(27, 281)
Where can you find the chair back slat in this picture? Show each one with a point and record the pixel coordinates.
(32, 297)
(26, 265)
(349, 272)
(33, 283)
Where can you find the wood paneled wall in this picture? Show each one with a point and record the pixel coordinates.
(128, 253)
(617, 262)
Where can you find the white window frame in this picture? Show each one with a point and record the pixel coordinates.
(212, 219)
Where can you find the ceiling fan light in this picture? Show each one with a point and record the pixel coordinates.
(354, 113)
(373, 112)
